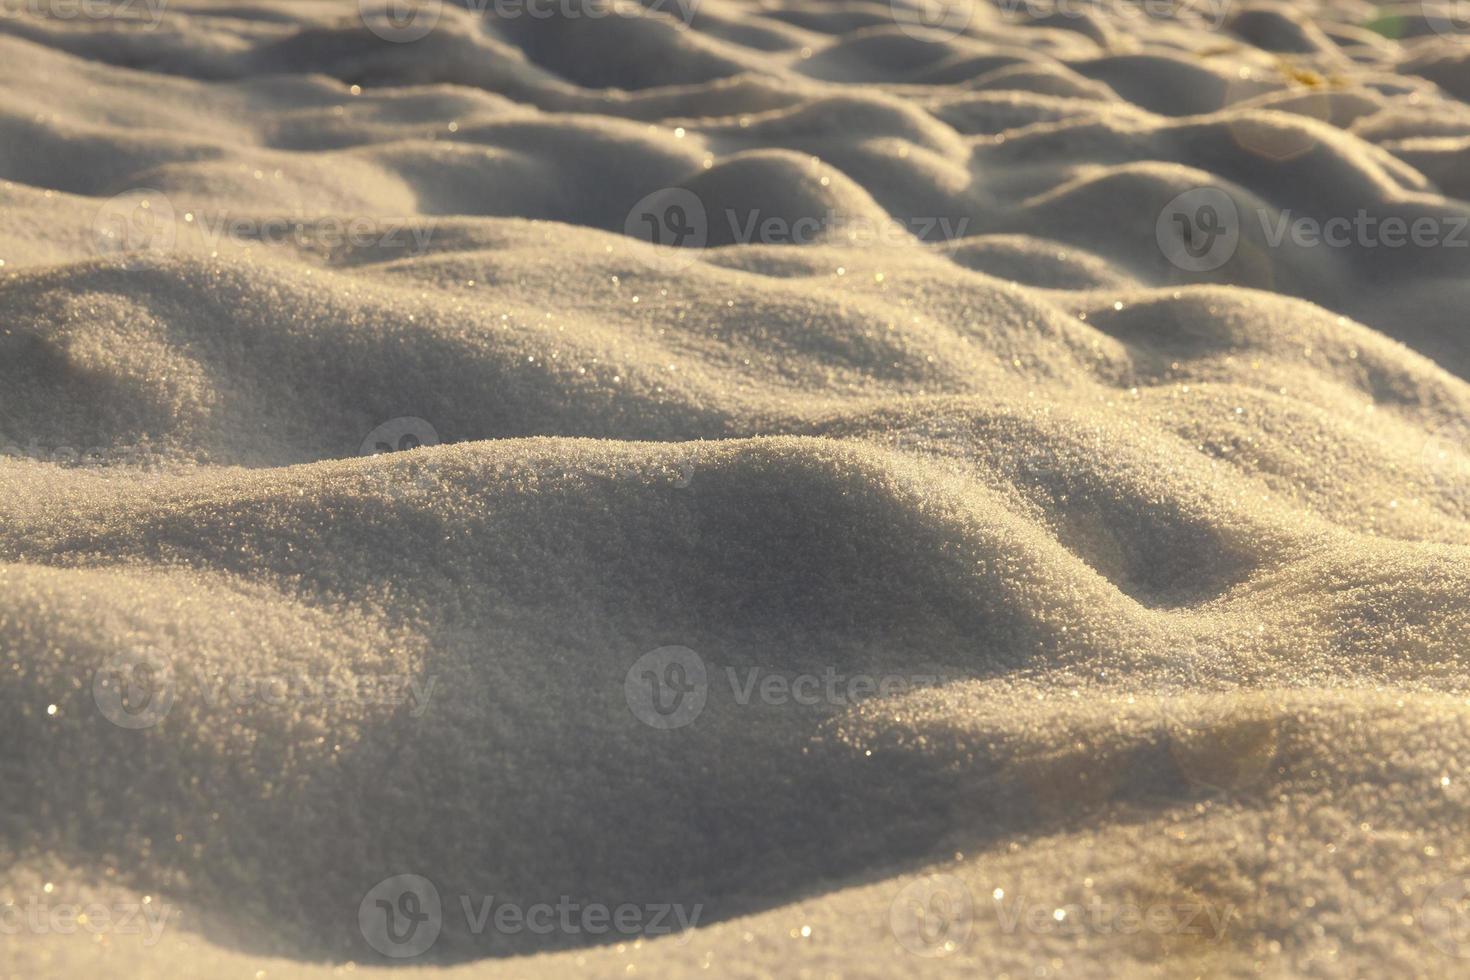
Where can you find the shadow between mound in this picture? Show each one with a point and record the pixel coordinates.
(529, 777)
(748, 808)
(727, 818)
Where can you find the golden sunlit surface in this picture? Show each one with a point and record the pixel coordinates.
(798, 488)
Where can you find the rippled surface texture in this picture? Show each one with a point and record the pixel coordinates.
(1030, 538)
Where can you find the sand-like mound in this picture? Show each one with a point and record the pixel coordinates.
(729, 488)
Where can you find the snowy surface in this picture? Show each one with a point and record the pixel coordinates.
(1047, 598)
